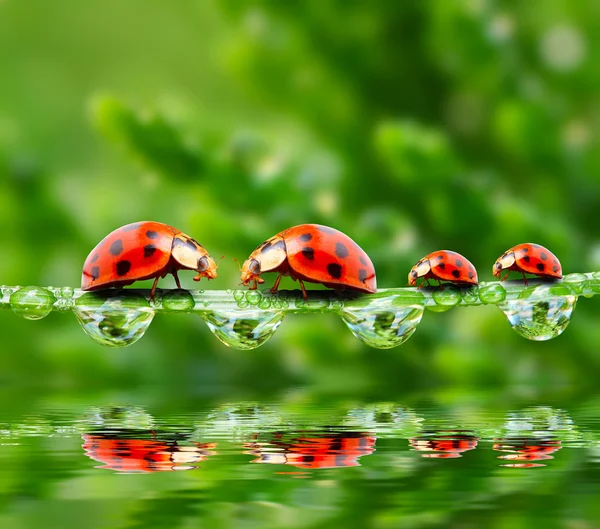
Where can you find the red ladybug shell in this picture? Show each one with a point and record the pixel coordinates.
(528, 258)
(143, 455)
(444, 265)
(527, 449)
(314, 253)
(143, 250)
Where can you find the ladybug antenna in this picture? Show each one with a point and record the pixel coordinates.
(237, 262)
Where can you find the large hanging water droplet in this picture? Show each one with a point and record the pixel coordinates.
(32, 303)
(542, 312)
(117, 321)
(243, 329)
(383, 322)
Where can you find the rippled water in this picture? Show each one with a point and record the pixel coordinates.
(291, 462)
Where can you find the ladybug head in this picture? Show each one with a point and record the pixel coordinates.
(188, 254)
(251, 271)
(504, 262)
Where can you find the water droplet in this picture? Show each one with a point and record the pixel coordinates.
(239, 295)
(542, 312)
(448, 296)
(384, 322)
(243, 329)
(117, 320)
(178, 300)
(32, 303)
(492, 293)
(253, 297)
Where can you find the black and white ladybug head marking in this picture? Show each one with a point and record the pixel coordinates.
(266, 258)
(505, 261)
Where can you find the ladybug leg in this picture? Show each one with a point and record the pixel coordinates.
(276, 285)
(504, 278)
(176, 279)
(154, 288)
(423, 284)
(440, 285)
(254, 286)
(524, 278)
(304, 294)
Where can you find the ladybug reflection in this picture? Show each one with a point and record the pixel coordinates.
(119, 452)
(313, 452)
(526, 450)
(444, 444)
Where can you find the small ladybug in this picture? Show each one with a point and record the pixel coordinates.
(528, 258)
(314, 253)
(144, 250)
(443, 265)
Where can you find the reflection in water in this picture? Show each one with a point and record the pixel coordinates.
(524, 450)
(122, 453)
(334, 450)
(444, 444)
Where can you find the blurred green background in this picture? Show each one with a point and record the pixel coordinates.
(411, 126)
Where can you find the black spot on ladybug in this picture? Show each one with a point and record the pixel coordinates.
(440, 258)
(340, 250)
(442, 266)
(308, 253)
(414, 274)
(459, 263)
(325, 229)
(362, 275)
(526, 258)
(95, 272)
(362, 260)
(152, 234)
(555, 269)
(471, 274)
(265, 247)
(540, 267)
(116, 247)
(555, 261)
(543, 256)
(95, 258)
(526, 250)
(123, 267)
(305, 237)
(149, 250)
(334, 270)
(456, 273)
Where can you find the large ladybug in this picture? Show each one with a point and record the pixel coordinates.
(528, 258)
(314, 253)
(144, 250)
(443, 265)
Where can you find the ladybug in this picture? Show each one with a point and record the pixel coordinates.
(528, 258)
(144, 250)
(314, 253)
(443, 265)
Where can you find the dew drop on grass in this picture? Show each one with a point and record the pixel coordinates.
(383, 322)
(115, 320)
(541, 313)
(32, 303)
(243, 329)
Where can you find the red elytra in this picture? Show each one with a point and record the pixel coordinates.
(443, 265)
(528, 258)
(144, 250)
(313, 253)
